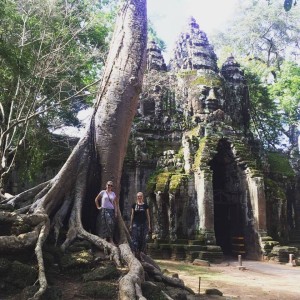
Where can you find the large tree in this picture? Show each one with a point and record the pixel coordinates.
(263, 37)
(261, 31)
(98, 157)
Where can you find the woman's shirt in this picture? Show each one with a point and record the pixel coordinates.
(107, 199)
(140, 213)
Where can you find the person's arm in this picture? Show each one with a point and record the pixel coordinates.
(97, 200)
(148, 218)
(131, 218)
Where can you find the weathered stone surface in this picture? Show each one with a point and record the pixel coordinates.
(200, 262)
(103, 272)
(76, 260)
(193, 153)
(213, 292)
(96, 289)
(155, 60)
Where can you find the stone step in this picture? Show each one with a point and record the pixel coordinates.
(180, 252)
(214, 257)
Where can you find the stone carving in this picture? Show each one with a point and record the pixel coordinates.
(155, 60)
(195, 156)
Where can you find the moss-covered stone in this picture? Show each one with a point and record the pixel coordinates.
(152, 292)
(198, 155)
(187, 73)
(106, 290)
(76, 261)
(210, 80)
(5, 265)
(101, 273)
(78, 246)
(52, 293)
(21, 275)
(162, 181)
(176, 181)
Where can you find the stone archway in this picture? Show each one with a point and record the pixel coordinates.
(228, 190)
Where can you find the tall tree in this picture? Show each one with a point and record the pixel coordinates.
(262, 37)
(285, 91)
(262, 31)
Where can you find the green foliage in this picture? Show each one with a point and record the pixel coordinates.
(152, 35)
(286, 93)
(263, 37)
(261, 31)
(51, 55)
(265, 119)
(279, 164)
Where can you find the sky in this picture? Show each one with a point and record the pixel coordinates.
(170, 17)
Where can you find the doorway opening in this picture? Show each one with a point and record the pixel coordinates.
(227, 192)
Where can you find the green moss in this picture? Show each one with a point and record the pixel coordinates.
(198, 155)
(101, 290)
(175, 182)
(279, 163)
(151, 183)
(187, 73)
(179, 154)
(207, 80)
(247, 156)
(194, 132)
(162, 181)
(76, 261)
(103, 272)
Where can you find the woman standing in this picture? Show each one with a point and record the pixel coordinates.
(139, 224)
(106, 202)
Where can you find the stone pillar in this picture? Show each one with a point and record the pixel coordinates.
(258, 201)
(205, 200)
(172, 214)
(161, 230)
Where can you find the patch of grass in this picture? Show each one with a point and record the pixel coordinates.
(190, 269)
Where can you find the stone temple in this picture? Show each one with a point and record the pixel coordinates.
(212, 189)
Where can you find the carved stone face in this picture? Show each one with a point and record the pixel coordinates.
(207, 100)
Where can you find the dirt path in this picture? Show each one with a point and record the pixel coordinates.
(260, 280)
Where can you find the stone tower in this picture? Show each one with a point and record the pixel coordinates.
(193, 154)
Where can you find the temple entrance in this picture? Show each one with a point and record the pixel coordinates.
(227, 191)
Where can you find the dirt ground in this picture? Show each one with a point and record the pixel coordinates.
(259, 280)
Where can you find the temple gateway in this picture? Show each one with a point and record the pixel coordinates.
(211, 187)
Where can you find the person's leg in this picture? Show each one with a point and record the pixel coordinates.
(143, 239)
(134, 237)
